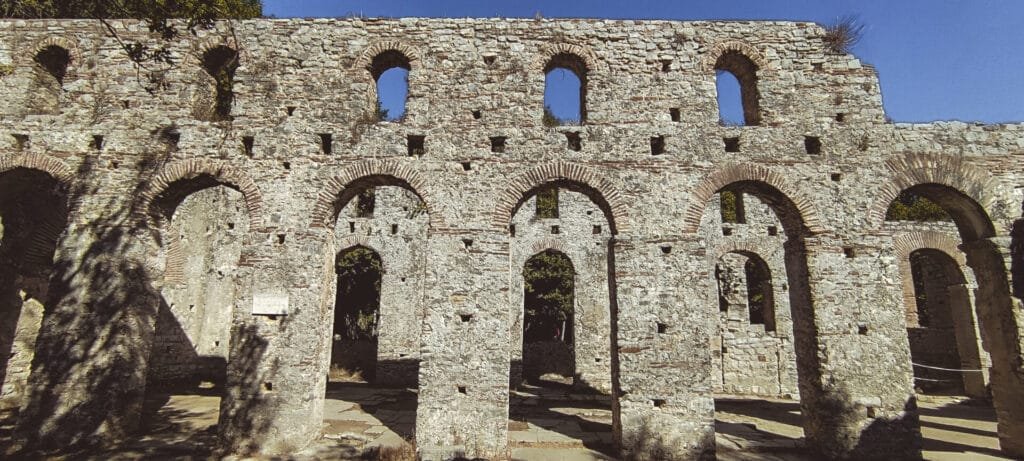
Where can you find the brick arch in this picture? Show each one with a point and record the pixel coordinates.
(212, 41)
(586, 55)
(193, 168)
(718, 49)
(909, 242)
(38, 253)
(548, 243)
(605, 194)
(45, 163)
(702, 193)
(951, 171)
(366, 57)
(384, 172)
(739, 246)
(63, 42)
(906, 243)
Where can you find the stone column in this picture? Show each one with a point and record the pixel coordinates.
(88, 373)
(968, 341)
(1002, 326)
(464, 368)
(663, 407)
(278, 363)
(592, 322)
(853, 354)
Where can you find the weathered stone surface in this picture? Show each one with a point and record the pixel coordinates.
(646, 278)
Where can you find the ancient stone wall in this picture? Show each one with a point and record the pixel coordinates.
(128, 145)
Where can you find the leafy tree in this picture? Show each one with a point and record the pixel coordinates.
(730, 208)
(358, 303)
(909, 206)
(159, 16)
(547, 203)
(549, 286)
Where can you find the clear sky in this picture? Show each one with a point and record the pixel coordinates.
(937, 59)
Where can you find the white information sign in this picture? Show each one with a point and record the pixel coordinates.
(270, 304)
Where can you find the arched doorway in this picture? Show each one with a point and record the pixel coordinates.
(988, 258)
(372, 372)
(33, 215)
(204, 223)
(944, 343)
(356, 316)
(561, 310)
(548, 319)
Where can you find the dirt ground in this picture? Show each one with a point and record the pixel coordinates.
(546, 423)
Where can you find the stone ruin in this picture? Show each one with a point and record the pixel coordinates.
(181, 224)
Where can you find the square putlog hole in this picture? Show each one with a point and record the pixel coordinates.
(247, 143)
(498, 144)
(416, 145)
(657, 145)
(573, 142)
(674, 113)
(326, 143)
(812, 144)
(732, 144)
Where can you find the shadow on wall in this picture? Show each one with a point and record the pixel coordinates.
(86, 380)
(174, 364)
(884, 437)
(247, 411)
(1017, 258)
(87, 383)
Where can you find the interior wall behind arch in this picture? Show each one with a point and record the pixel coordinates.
(204, 245)
(746, 358)
(395, 226)
(582, 234)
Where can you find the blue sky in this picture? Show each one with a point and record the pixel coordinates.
(937, 59)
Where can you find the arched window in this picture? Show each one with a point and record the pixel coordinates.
(55, 61)
(220, 62)
(390, 71)
(760, 302)
(565, 90)
(736, 80)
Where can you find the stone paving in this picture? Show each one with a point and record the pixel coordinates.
(546, 424)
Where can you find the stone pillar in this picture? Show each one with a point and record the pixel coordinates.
(853, 354)
(1001, 319)
(968, 341)
(277, 366)
(88, 374)
(27, 316)
(663, 407)
(463, 399)
(592, 321)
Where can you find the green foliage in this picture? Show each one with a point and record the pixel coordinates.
(365, 202)
(730, 210)
(549, 280)
(358, 303)
(159, 16)
(550, 119)
(909, 206)
(381, 114)
(547, 203)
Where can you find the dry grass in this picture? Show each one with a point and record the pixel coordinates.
(338, 374)
(406, 452)
(844, 34)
